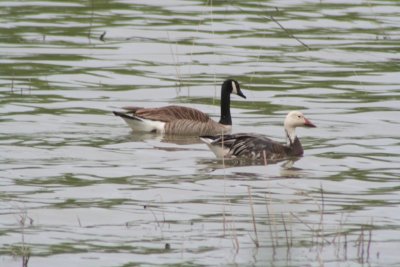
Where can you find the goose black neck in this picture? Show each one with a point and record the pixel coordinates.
(225, 105)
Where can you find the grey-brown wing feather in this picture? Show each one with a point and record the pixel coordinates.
(169, 113)
(253, 146)
(192, 127)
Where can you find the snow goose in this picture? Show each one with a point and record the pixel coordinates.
(257, 146)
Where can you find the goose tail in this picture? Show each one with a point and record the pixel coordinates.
(125, 115)
(218, 148)
(139, 124)
(208, 139)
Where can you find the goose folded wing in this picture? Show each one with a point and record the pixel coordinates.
(171, 113)
(255, 146)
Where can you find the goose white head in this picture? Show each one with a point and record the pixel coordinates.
(295, 119)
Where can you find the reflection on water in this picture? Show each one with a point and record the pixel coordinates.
(167, 139)
(181, 140)
(287, 164)
(76, 180)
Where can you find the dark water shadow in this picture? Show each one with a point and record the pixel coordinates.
(181, 140)
(240, 162)
(172, 139)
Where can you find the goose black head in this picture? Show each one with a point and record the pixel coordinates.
(233, 87)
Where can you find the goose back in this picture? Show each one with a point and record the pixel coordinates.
(169, 113)
(191, 127)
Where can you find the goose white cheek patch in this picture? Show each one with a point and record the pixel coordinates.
(234, 90)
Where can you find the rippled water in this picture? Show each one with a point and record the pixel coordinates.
(77, 187)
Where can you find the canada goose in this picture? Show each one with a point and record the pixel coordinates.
(179, 120)
(257, 146)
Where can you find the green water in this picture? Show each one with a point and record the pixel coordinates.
(77, 187)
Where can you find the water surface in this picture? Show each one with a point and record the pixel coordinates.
(78, 187)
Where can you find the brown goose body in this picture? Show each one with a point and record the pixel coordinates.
(260, 147)
(180, 120)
